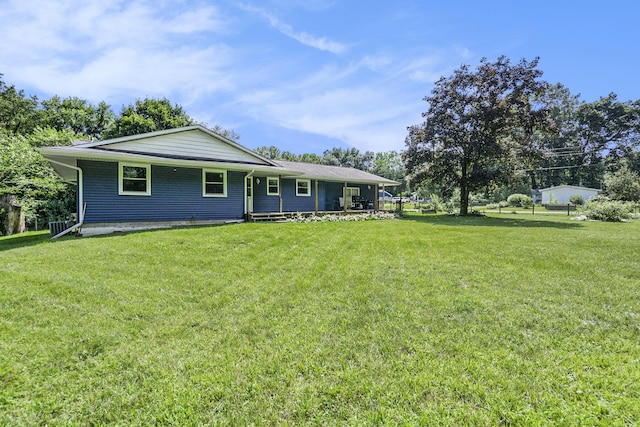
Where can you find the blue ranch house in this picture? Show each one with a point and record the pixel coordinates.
(193, 176)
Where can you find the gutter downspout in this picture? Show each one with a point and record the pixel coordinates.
(81, 205)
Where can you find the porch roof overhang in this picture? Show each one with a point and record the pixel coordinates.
(70, 155)
(335, 174)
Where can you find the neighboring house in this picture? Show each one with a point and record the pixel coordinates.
(192, 175)
(562, 193)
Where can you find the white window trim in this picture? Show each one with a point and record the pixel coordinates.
(204, 183)
(121, 167)
(267, 182)
(308, 181)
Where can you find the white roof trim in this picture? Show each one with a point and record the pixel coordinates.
(212, 134)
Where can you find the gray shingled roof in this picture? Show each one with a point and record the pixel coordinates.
(334, 173)
(96, 150)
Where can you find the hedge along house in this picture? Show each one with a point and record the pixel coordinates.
(193, 176)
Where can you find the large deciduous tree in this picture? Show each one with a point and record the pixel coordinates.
(151, 115)
(18, 112)
(607, 131)
(77, 115)
(479, 126)
(148, 115)
(25, 174)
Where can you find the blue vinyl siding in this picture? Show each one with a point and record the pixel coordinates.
(262, 202)
(293, 203)
(176, 195)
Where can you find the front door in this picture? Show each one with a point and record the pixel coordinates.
(249, 189)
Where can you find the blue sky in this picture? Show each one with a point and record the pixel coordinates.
(307, 76)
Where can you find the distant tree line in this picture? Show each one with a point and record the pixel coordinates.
(387, 164)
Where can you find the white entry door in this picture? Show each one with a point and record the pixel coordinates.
(249, 191)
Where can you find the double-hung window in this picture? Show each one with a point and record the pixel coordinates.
(134, 179)
(303, 187)
(214, 183)
(273, 186)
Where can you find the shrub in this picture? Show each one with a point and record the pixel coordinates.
(598, 198)
(612, 211)
(521, 200)
(437, 203)
(623, 184)
(449, 207)
(298, 217)
(576, 199)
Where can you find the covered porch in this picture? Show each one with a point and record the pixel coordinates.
(323, 198)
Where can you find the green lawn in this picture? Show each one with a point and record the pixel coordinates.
(430, 320)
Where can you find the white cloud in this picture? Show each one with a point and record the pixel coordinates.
(367, 104)
(99, 50)
(367, 117)
(320, 43)
(134, 73)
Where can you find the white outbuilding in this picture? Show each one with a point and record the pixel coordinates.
(562, 193)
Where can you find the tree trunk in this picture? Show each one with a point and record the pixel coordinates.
(532, 174)
(464, 192)
(13, 218)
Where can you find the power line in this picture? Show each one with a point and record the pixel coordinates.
(558, 167)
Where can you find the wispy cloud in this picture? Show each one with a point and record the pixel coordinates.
(366, 116)
(321, 43)
(103, 50)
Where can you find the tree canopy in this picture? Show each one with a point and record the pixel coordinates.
(148, 115)
(479, 126)
(77, 115)
(18, 112)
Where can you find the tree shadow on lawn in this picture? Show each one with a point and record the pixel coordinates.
(23, 240)
(491, 221)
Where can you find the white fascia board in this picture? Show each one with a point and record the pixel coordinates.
(343, 180)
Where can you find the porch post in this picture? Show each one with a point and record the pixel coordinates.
(316, 190)
(246, 211)
(280, 192)
(344, 196)
(376, 201)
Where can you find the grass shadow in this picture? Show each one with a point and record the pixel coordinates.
(23, 240)
(493, 221)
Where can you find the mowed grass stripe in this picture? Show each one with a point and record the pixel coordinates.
(428, 320)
